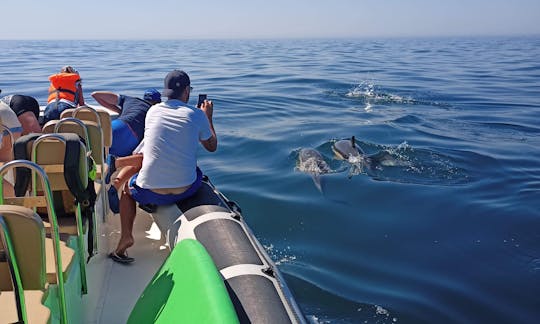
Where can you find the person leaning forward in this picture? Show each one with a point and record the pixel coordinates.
(127, 131)
(27, 110)
(65, 92)
(169, 171)
(128, 128)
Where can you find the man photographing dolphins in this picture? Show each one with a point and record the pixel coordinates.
(169, 171)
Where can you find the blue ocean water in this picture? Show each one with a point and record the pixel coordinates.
(450, 233)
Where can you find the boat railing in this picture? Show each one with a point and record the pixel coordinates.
(51, 217)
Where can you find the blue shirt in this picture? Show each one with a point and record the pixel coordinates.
(133, 113)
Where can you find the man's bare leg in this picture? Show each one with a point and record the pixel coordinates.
(127, 218)
(128, 166)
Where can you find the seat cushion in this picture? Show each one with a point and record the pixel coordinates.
(36, 312)
(67, 254)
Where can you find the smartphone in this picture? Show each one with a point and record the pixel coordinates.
(202, 98)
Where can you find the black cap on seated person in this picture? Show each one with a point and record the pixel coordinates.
(175, 83)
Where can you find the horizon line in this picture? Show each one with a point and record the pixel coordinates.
(479, 35)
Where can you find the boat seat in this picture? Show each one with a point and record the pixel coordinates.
(35, 310)
(35, 252)
(50, 156)
(54, 153)
(49, 127)
(40, 261)
(98, 115)
(10, 302)
(93, 133)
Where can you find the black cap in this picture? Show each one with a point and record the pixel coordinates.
(175, 82)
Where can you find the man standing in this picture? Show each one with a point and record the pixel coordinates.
(169, 170)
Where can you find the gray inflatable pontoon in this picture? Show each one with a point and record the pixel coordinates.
(254, 283)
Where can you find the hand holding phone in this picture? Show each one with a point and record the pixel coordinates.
(202, 98)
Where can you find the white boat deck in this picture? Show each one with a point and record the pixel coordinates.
(114, 288)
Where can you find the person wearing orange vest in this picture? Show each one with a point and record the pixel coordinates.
(65, 92)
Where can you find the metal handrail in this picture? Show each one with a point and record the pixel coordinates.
(80, 123)
(87, 108)
(54, 224)
(78, 212)
(89, 153)
(14, 271)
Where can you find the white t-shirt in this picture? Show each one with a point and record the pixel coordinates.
(9, 119)
(171, 136)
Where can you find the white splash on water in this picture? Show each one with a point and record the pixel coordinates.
(280, 257)
(368, 91)
(355, 159)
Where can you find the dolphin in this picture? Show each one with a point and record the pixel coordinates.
(312, 162)
(349, 151)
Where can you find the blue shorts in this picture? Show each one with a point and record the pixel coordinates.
(124, 140)
(54, 109)
(147, 196)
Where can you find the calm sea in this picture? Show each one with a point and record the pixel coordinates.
(450, 233)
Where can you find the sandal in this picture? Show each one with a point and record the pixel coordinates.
(121, 258)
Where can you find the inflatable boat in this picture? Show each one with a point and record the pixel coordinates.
(196, 261)
(253, 283)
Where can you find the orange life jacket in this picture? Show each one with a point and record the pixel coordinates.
(64, 86)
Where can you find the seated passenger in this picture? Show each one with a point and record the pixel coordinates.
(128, 166)
(27, 110)
(169, 170)
(9, 120)
(65, 92)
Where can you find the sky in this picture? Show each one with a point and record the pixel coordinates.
(246, 19)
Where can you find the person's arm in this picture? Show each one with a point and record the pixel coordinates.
(6, 148)
(107, 99)
(210, 144)
(80, 99)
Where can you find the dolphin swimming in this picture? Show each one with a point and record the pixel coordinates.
(312, 162)
(349, 151)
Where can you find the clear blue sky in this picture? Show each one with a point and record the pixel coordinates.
(177, 19)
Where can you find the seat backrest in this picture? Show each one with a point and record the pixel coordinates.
(95, 134)
(98, 115)
(50, 153)
(88, 130)
(63, 158)
(66, 113)
(49, 126)
(75, 126)
(28, 238)
(6, 145)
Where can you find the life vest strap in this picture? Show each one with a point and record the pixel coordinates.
(62, 90)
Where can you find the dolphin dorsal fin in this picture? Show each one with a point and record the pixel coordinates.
(353, 141)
